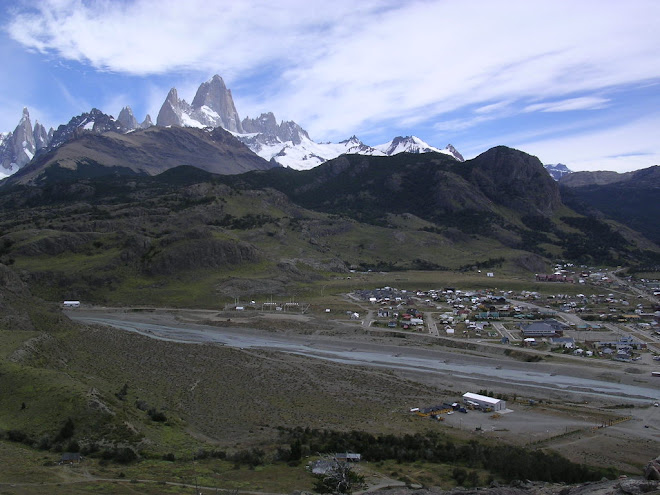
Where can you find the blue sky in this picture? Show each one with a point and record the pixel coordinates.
(576, 82)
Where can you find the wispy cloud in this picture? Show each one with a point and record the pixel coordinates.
(624, 147)
(339, 68)
(76, 103)
(571, 104)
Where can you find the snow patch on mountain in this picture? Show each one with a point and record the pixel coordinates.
(557, 171)
(303, 153)
(306, 154)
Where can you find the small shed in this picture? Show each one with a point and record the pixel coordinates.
(70, 458)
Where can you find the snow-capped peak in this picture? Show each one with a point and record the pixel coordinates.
(558, 170)
(412, 144)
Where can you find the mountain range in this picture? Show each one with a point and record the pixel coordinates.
(118, 210)
(209, 135)
(630, 198)
(286, 144)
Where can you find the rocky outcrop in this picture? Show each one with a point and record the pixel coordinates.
(515, 179)
(42, 138)
(127, 119)
(652, 470)
(267, 126)
(146, 122)
(95, 122)
(195, 254)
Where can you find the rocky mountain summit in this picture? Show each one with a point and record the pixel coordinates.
(212, 106)
(94, 121)
(127, 120)
(17, 148)
(558, 170)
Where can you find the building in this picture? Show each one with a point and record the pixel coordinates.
(71, 458)
(545, 328)
(484, 401)
(565, 342)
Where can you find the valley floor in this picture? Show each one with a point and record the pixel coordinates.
(573, 412)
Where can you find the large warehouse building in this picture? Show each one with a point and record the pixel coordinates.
(484, 401)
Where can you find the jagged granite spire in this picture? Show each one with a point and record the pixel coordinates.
(146, 122)
(215, 96)
(171, 111)
(41, 137)
(127, 119)
(267, 125)
(24, 146)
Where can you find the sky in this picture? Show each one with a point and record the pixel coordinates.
(574, 82)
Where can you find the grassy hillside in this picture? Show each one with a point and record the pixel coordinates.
(181, 237)
(186, 236)
(629, 198)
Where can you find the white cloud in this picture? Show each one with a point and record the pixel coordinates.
(338, 69)
(493, 107)
(625, 147)
(432, 58)
(157, 36)
(584, 103)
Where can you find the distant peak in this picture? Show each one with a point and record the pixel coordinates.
(455, 153)
(25, 117)
(216, 80)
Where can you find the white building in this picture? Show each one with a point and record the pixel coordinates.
(485, 401)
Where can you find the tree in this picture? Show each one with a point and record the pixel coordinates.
(460, 475)
(339, 478)
(66, 432)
